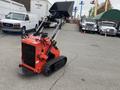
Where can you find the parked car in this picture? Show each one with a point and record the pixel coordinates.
(107, 27)
(88, 25)
(15, 22)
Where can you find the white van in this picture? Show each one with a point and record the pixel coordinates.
(7, 6)
(17, 21)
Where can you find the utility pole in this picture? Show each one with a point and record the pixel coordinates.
(96, 7)
(106, 5)
(81, 7)
(75, 10)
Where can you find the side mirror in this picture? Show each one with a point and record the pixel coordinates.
(27, 18)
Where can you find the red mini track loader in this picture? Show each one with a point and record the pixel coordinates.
(39, 52)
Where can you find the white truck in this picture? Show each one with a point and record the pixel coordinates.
(107, 28)
(88, 25)
(18, 22)
(7, 6)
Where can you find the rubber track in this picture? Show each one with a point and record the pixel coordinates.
(54, 65)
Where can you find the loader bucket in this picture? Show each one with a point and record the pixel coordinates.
(62, 9)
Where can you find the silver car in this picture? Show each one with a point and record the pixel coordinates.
(89, 25)
(107, 28)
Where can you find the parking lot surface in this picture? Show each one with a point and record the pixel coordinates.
(93, 63)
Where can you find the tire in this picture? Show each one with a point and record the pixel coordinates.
(80, 29)
(100, 32)
(4, 31)
(23, 30)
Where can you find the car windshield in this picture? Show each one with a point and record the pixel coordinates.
(108, 24)
(15, 16)
(90, 20)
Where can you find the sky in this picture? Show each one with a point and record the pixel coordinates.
(87, 5)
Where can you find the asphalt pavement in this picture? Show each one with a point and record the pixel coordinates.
(93, 63)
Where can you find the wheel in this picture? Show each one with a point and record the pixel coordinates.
(100, 32)
(80, 28)
(5, 31)
(23, 30)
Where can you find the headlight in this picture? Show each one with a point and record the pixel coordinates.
(83, 25)
(95, 26)
(17, 26)
(108, 30)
